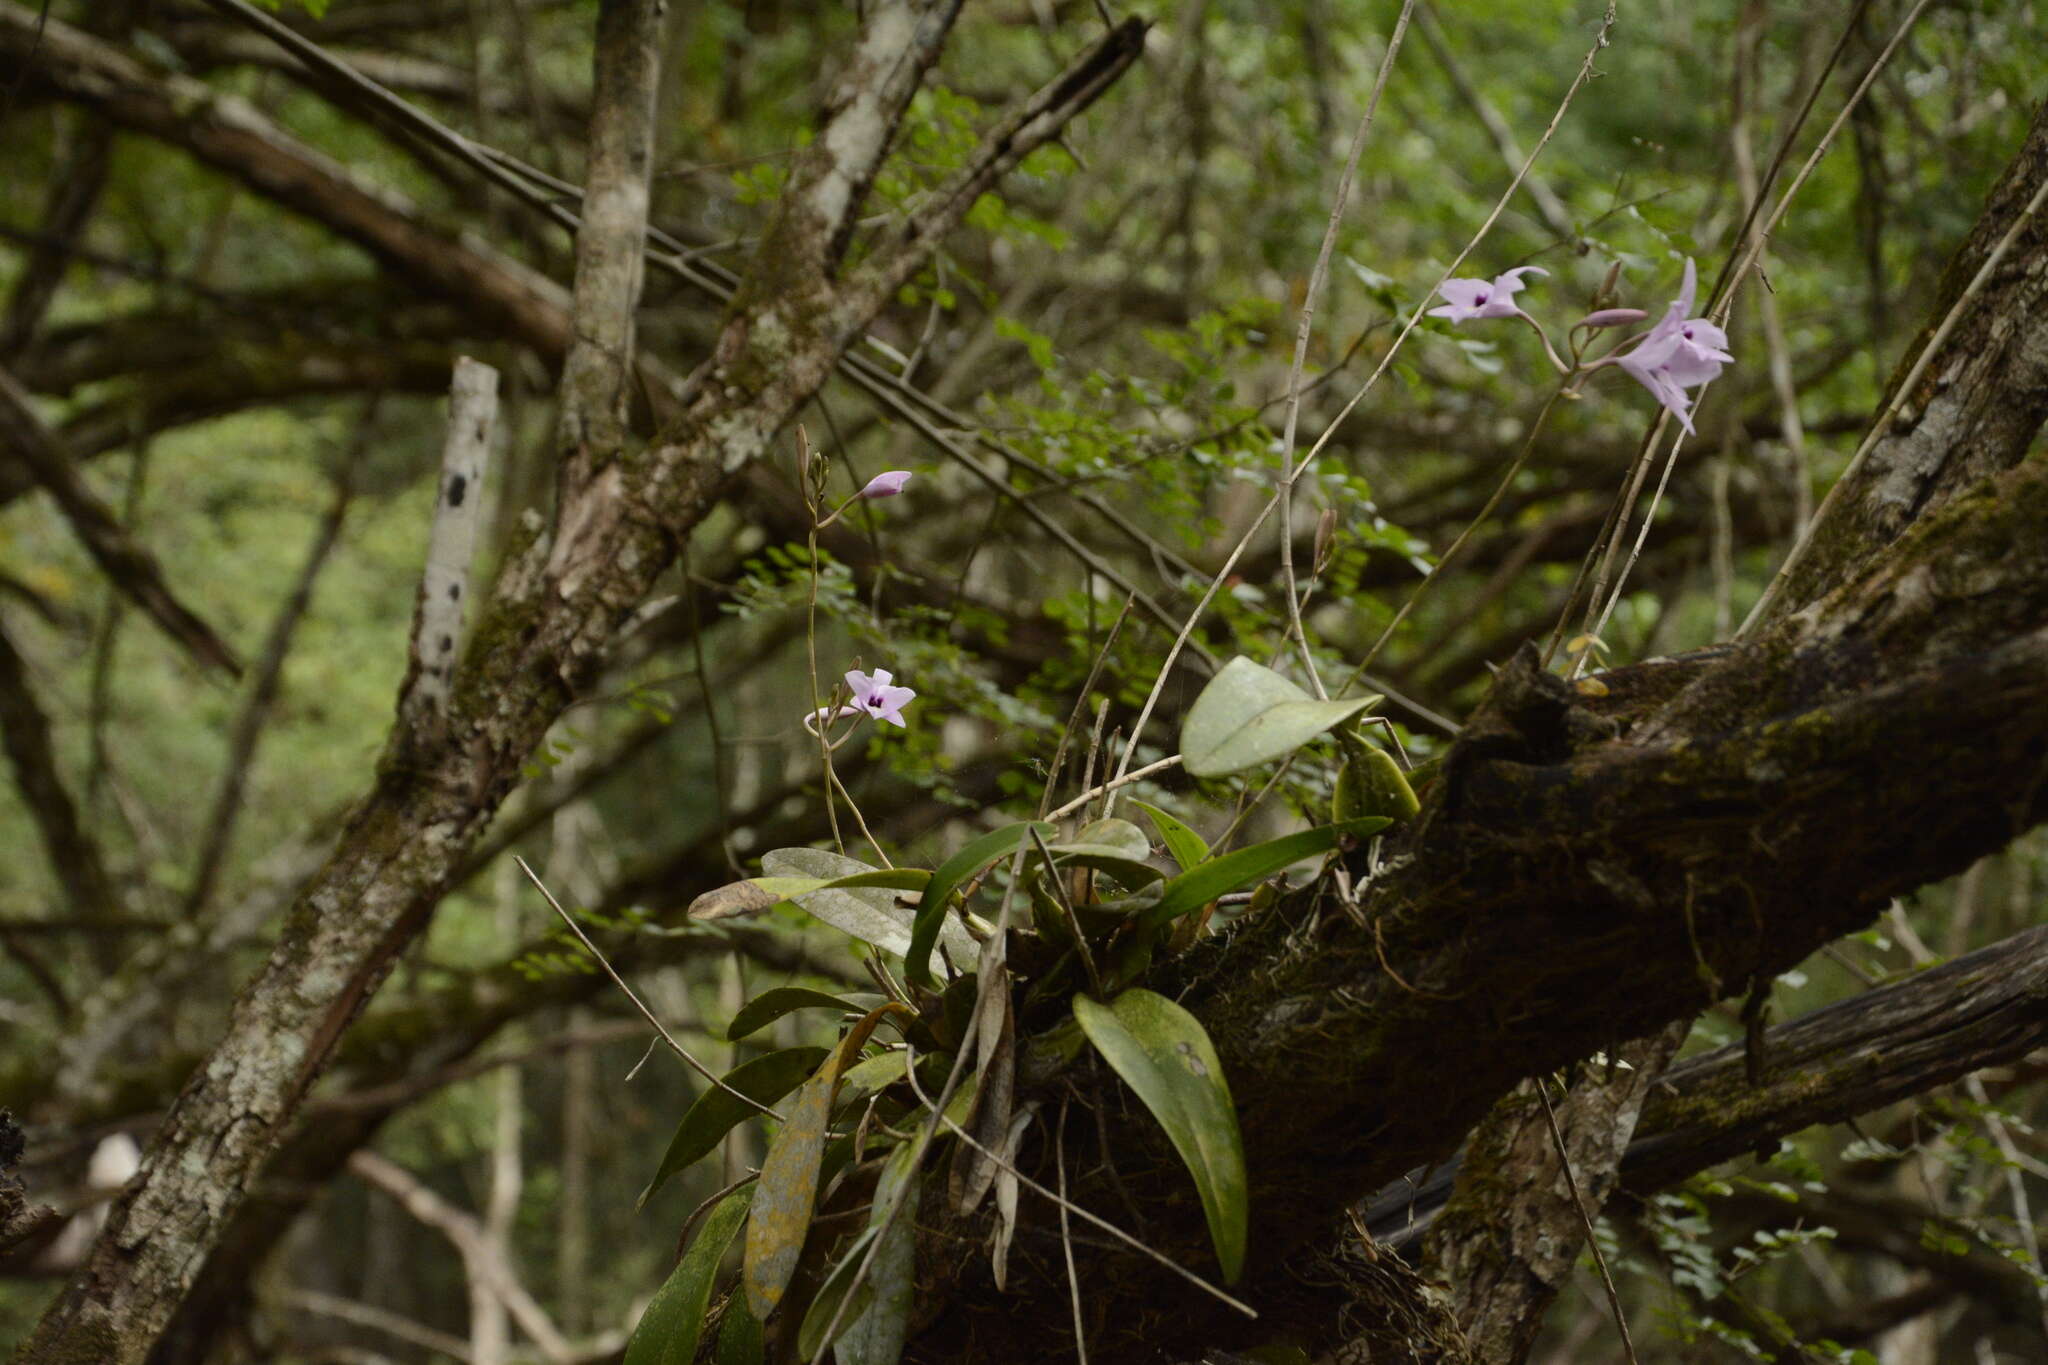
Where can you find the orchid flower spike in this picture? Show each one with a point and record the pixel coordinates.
(1679, 353)
(885, 485)
(877, 698)
(1493, 298)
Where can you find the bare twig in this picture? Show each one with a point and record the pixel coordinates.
(76, 863)
(255, 714)
(702, 1070)
(127, 563)
(1571, 1181)
(485, 1259)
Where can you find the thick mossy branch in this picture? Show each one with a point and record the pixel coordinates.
(1577, 880)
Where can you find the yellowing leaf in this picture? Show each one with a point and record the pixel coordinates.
(785, 1194)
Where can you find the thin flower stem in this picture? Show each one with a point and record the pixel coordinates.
(1449, 556)
(1635, 551)
(833, 776)
(1316, 280)
(803, 478)
(702, 1070)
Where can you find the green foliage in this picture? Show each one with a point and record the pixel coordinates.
(1166, 1058)
(669, 1329)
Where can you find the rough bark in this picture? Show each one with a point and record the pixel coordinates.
(1514, 1227)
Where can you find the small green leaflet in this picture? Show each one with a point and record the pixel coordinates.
(1187, 847)
(931, 911)
(1248, 715)
(668, 1330)
(717, 1111)
(1234, 871)
(1161, 1052)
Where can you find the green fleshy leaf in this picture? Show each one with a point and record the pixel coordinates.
(717, 1111)
(1162, 1053)
(739, 1336)
(1248, 715)
(668, 1330)
(826, 1305)
(786, 1194)
(765, 1008)
(1234, 871)
(869, 913)
(1186, 847)
(876, 1337)
(968, 862)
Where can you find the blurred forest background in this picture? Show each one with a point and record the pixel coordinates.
(1096, 364)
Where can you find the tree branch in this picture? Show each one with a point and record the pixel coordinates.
(129, 566)
(75, 862)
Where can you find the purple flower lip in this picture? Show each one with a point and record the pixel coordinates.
(1678, 354)
(1493, 298)
(876, 697)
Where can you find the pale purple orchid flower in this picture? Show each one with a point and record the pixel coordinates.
(1679, 353)
(885, 485)
(1494, 298)
(877, 698)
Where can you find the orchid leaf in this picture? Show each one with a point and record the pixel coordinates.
(1162, 1053)
(739, 1336)
(1371, 783)
(718, 1110)
(1248, 715)
(876, 1073)
(668, 1330)
(876, 1336)
(1184, 845)
(869, 913)
(829, 1305)
(765, 1008)
(786, 1193)
(932, 910)
(1107, 858)
(1234, 871)
(1114, 833)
